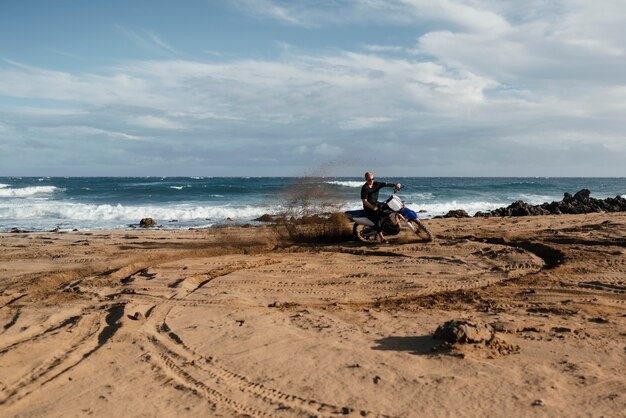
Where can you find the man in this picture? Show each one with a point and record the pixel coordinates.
(369, 196)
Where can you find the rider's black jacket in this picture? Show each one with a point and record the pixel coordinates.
(371, 195)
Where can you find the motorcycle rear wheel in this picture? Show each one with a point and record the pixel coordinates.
(363, 233)
(420, 230)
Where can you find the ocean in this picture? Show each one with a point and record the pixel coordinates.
(118, 203)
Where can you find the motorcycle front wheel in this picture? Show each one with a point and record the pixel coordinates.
(363, 233)
(420, 230)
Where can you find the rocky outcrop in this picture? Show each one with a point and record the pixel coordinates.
(457, 213)
(267, 218)
(147, 223)
(581, 202)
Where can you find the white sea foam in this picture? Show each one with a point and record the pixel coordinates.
(36, 210)
(27, 191)
(533, 199)
(2, 186)
(435, 209)
(347, 183)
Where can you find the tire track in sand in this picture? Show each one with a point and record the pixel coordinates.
(222, 387)
(88, 327)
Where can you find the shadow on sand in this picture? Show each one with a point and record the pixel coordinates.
(419, 345)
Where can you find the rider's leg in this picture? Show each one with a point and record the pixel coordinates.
(379, 229)
(374, 216)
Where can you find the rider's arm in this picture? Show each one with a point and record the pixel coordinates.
(369, 205)
(395, 185)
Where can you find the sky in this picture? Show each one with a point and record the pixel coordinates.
(312, 87)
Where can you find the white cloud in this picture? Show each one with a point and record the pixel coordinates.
(25, 81)
(155, 122)
(300, 150)
(363, 122)
(327, 150)
(78, 132)
(469, 15)
(269, 8)
(550, 44)
(159, 42)
(384, 48)
(147, 40)
(315, 13)
(47, 111)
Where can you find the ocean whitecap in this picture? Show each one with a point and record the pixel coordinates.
(27, 191)
(346, 183)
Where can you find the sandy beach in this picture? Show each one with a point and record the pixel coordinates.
(270, 321)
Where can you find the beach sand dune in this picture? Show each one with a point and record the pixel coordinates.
(272, 321)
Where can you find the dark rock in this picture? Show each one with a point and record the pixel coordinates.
(136, 316)
(147, 223)
(582, 194)
(599, 320)
(265, 218)
(464, 332)
(458, 213)
(561, 329)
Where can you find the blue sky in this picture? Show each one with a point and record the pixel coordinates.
(324, 87)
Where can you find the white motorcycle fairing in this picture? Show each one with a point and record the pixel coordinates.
(363, 221)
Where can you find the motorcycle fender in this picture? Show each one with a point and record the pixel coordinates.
(408, 213)
(363, 221)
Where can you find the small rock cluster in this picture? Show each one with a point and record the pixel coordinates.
(458, 332)
(147, 223)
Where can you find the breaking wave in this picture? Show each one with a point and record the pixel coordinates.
(96, 213)
(436, 209)
(5, 191)
(346, 183)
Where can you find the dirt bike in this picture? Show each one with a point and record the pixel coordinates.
(393, 215)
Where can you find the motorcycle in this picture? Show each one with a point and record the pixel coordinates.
(393, 215)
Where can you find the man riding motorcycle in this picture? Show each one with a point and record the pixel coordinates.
(371, 205)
